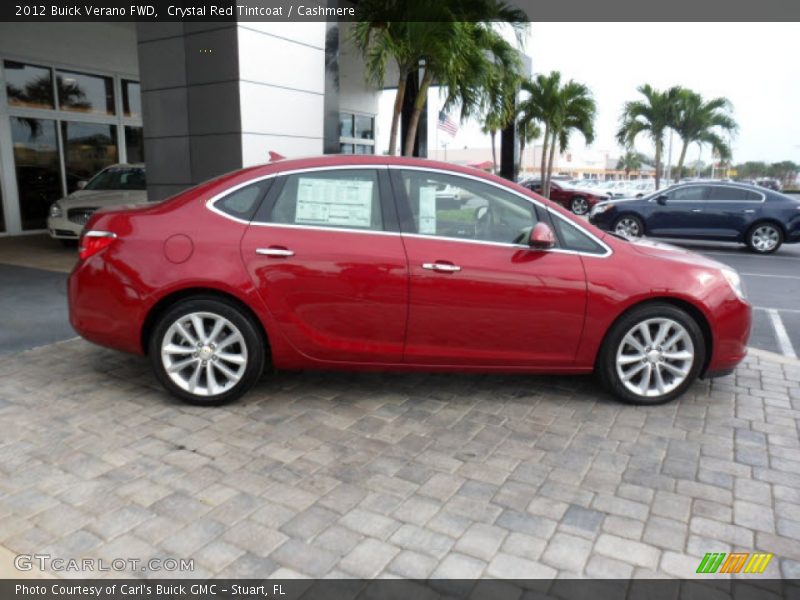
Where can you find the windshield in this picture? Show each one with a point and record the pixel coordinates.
(118, 178)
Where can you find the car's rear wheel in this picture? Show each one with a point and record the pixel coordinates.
(207, 351)
(652, 354)
(629, 226)
(579, 205)
(764, 238)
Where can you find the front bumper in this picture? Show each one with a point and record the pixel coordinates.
(61, 228)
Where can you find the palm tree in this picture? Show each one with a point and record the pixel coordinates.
(577, 111)
(652, 116)
(540, 106)
(501, 86)
(697, 121)
(630, 161)
(445, 39)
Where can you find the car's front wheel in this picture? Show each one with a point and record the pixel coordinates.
(579, 205)
(207, 351)
(629, 226)
(764, 238)
(652, 354)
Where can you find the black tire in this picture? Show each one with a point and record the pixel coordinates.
(253, 342)
(759, 229)
(606, 366)
(634, 222)
(579, 205)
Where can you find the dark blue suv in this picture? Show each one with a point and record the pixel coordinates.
(727, 212)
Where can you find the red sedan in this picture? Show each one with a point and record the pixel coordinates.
(361, 262)
(578, 200)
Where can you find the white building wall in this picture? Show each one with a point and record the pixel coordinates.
(282, 88)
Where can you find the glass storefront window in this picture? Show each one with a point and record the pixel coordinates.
(79, 92)
(28, 85)
(88, 147)
(346, 148)
(37, 167)
(2, 212)
(131, 98)
(364, 149)
(134, 144)
(364, 127)
(345, 125)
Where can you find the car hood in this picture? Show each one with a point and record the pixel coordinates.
(669, 252)
(103, 198)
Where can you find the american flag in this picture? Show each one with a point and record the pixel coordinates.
(447, 124)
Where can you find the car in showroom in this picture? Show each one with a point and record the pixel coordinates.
(577, 199)
(349, 262)
(706, 210)
(115, 185)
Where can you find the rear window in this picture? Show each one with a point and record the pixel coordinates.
(734, 194)
(243, 203)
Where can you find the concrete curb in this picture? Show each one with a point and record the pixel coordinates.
(774, 356)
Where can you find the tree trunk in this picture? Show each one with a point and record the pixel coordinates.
(681, 159)
(398, 110)
(543, 167)
(419, 104)
(521, 154)
(550, 163)
(494, 154)
(658, 163)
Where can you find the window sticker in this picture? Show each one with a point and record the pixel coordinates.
(427, 209)
(341, 202)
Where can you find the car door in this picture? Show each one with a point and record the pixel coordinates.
(678, 212)
(730, 210)
(479, 294)
(326, 256)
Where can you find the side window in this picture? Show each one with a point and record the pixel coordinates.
(693, 192)
(340, 199)
(458, 207)
(573, 238)
(733, 194)
(242, 203)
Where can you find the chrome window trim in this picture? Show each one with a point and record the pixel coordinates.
(712, 185)
(552, 213)
(210, 204)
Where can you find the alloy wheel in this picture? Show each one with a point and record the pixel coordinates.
(628, 227)
(654, 357)
(204, 354)
(765, 238)
(580, 206)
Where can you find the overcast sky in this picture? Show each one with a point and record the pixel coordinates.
(754, 65)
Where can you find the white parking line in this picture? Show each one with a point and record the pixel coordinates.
(780, 332)
(768, 275)
(769, 308)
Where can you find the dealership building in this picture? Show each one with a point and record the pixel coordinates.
(191, 100)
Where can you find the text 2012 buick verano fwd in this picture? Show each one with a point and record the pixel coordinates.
(356, 262)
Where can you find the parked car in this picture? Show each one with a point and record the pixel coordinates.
(770, 183)
(348, 262)
(727, 212)
(113, 186)
(578, 200)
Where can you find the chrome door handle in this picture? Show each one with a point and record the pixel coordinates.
(749, 210)
(281, 252)
(441, 267)
(697, 210)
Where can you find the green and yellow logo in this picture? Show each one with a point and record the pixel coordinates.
(736, 562)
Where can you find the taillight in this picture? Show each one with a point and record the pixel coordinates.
(93, 242)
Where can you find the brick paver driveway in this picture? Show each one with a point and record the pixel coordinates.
(413, 475)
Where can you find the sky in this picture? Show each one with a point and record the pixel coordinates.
(754, 65)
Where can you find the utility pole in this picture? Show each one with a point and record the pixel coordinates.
(669, 157)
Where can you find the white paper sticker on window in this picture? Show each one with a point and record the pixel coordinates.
(341, 202)
(427, 209)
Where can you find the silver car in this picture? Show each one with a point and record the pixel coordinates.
(113, 186)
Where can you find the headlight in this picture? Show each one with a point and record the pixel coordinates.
(735, 282)
(601, 208)
(55, 210)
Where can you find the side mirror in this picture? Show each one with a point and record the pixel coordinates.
(81, 184)
(542, 237)
(662, 199)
